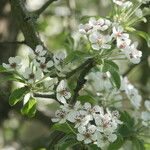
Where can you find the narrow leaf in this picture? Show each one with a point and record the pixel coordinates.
(29, 109)
(17, 95)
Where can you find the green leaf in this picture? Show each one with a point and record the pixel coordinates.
(94, 147)
(117, 144)
(113, 68)
(144, 35)
(29, 109)
(17, 95)
(86, 98)
(2, 69)
(127, 129)
(68, 144)
(137, 144)
(62, 127)
(116, 78)
(111, 64)
(11, 78)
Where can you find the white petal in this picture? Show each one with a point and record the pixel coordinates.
(112, 137)
(80, 137)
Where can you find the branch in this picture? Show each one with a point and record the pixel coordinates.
(52, 96)
(81, 80)
(26, 23)
(12, 42)
(43, 8)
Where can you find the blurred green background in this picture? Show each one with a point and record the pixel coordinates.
(59, 21)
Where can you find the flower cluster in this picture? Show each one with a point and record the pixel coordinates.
(39, 66)
(101, 84)
(93, 123)
(102, 33)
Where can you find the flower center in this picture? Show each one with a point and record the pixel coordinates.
(13, 65)
(42, 65)
(31, 76)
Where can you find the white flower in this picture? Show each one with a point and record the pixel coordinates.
(139, 13)
(92, 110)
(59, 56)
(43, 65)
(132, 93)
(80, 118)
(123, 3)
(32, 76)
(135, 56)
(100, 41)
(86, 28)
(100, 24)
(60, 116)
(147, 105)
(104, 139)
(62, 92)
(145, 116)
(118, 33)
(86, 134)
(38, 52)
(123, 44)
(14, 63)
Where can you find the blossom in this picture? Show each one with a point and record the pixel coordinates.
(86, 28)
(38, 52)
(43, 65)
(147, 105)
(79, 118)
(123, 3)
(31, 75)
(100, 41)
(132, 93)
(14, 63)
(60, 116)
(59, 56)
(145, 116)
(104, 139)
(92, 110)
(62, 92)
(118, 33)
(100, 24)
(86, 134)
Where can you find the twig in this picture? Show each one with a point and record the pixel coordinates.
(12, 42)
(81, 80)
(43, 8)
(52, 96)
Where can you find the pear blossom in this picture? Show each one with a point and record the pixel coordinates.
(32, 76)
(62, 92)
(147, 105)
(60, 116)
(14, 63)
(123, 3)
(86, 28)
(86, 134)
(103, 140)
(38, 52)
(43, 65)
(92, 110)
(118, 33)
(100, 41)
(145, 116)
(79, 118)
(59, 56)
(100, 24)
(132, 93)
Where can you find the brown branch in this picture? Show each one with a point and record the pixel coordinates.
(43, 8)
(81, 79)
(12, 42)
(26, 23)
